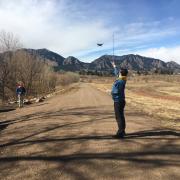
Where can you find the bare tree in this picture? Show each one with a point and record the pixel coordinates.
(8, 44)
(37, 75)
(20, 65)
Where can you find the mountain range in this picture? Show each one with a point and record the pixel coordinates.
(103, 63)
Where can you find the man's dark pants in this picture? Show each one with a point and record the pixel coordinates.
(119, 113)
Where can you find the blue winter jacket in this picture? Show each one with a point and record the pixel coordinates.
(118, 88)
(20, 90)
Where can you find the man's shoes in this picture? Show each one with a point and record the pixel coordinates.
(124, 133)
(119, 136)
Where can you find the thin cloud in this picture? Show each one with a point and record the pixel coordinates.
(163, 53)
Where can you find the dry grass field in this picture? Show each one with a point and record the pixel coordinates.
(155, 95)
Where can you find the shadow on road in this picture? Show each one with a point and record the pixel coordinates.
(135, 156)
(3, 126)
(87, 111)
(6, 110)
(142, 134)
(151, 154)
(154, 133)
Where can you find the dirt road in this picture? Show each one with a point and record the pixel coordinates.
(70, 137)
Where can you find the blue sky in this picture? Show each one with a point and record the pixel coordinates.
(73, 27)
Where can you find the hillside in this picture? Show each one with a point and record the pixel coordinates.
(131, 61)
(103, 63)
(45, 54)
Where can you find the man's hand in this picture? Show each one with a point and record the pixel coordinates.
(113, 64)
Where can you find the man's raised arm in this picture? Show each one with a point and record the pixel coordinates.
(116, 72)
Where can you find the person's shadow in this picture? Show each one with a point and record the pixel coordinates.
(3, 126)
(153, 133)
(6, 110)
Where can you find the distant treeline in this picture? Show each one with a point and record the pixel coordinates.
(96, 73)
(142, 72)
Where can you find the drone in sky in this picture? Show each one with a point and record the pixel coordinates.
(99, 44)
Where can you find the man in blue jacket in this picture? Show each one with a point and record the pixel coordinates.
(118, 95)
(20, 91)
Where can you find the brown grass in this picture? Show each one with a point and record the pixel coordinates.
(158, 96)
(67, 78)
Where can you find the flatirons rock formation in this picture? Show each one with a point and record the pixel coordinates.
(103, 63)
